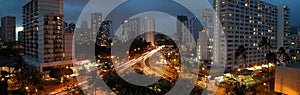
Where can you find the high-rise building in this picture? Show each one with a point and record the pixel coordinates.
(195, 27)
(205, 40)
(43, 33)
(84, 25)
(295, 30)
(103, 36)
(8, 28)
(188, 31)
(21, 36)
(294, 40)
(136, 26)
(283, 31)
(68, 45)
(246, 22)
(182, 28)
(96, 19)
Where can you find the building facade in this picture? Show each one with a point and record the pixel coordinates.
(287, 80)
(21, 36)
(96, 20)
(187, 30)
(8, 29)
(43, 33)
(134, 27)
(246, 22)
(103, 36)
(205, 39)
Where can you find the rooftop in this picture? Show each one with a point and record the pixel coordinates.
(294, 65)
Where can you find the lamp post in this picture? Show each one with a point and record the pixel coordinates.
(268, 87)
(27, 90)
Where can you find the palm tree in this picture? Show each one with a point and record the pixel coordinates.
(241, 51)
(272, 58)
(286, 57)
(265, 42)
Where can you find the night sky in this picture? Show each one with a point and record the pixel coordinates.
(72, 9)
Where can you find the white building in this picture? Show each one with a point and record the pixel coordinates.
(134, 27)
(96, 20)
(43, 34)
(245, 22)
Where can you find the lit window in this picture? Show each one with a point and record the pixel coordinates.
(255, 44)
(272, 37)
(229, 14)
(270, 31)
(259, 22)
(259, 8)
(251, 21)
(255, 33)
(250, 17)
(260, 15)
(267, 6)
(293, 43)
(246, 4)
(255, 29)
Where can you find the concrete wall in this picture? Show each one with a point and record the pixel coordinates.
(287, 80)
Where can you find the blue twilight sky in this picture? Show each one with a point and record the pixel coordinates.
(72, 9)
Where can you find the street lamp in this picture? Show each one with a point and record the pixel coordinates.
(27, 90)
(202, 68)
(265, 84)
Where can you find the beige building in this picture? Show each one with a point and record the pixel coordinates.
(287, 80)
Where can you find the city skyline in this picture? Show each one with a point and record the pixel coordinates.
(73, 8)
(149, 47)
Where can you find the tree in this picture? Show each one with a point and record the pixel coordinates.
(57, 73)
(241, 51)
(240, 89)
(271, 58)
(27, 76)
(282, 52)
(265, 42)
